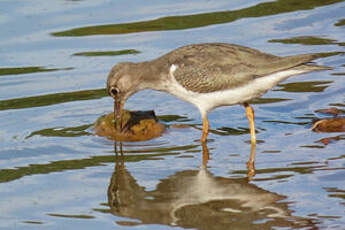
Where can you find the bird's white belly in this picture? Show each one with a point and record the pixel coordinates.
(239, 95)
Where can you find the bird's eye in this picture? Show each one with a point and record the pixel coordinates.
(114, 91)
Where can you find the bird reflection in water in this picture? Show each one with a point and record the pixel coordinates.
(198, 199)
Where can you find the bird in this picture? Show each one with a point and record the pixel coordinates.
(208, 75)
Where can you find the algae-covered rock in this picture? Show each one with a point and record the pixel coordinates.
(136, 126)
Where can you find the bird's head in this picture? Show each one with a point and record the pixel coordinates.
(123, 81)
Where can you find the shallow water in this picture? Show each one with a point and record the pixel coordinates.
(55, 173)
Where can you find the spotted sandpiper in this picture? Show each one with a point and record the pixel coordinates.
(208, 76)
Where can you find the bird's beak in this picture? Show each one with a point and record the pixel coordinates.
(118, 107)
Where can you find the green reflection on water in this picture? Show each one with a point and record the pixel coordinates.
(32, 222)
(225, 131)
(303, 87)
(173, 118)
(51, 99)
(279, 171)
(71, 216)
(308, 40)
(261, 100)
(337, 104)
(341, 22)
(336, 193)
(58, 166)
(63, 132)
(287, 122)
(338, 74)
(26, 70)
(198, 20)
(108, 53)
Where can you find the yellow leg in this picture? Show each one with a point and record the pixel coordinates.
(205, 154)
(205, 128)
(250, 116)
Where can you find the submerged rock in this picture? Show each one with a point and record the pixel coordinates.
(136, 126)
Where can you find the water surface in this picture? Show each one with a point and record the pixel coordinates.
(55, 173)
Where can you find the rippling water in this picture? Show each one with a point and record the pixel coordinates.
(55, 173)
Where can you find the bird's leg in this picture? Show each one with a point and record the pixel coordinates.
(250, 116)
(251, 162)
(205, 128)
(205, 154)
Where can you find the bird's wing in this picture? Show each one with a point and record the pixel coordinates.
(212, 67)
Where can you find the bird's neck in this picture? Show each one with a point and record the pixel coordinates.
(152, 76)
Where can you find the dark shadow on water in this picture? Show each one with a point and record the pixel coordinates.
(198, 199)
